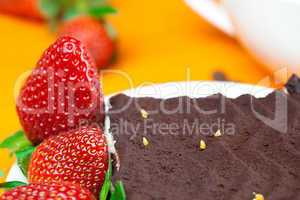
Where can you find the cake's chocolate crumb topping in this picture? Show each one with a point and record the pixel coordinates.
(293, 85)
(254, 154)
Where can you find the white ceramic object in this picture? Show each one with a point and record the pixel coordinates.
(269, 29)
(174, 89)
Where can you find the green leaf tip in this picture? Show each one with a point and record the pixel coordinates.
(119, 192)
(24, 153)
(16, 142)
(19, 145)
(12, 184)
(1, 174)
(107, 182)
(23, 159)
(101, 11)
(109, 191)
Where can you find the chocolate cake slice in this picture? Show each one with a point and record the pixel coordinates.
(212, 148)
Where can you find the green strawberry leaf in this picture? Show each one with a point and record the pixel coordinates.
(119, 192)
(100, 11)
(23, 159)
(58, 10)
(51, 9)
(107, 182)
(75, 9)
(72, 12)
(19, 145)
(16, 142)
(97, 2)
(11, 185)
(25, 152)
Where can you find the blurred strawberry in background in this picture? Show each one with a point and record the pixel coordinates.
(56, 9)
(93, 35)
(24, 8)
(85, 21)
(81, 19)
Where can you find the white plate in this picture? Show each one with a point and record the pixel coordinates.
(213, 12)
(175, 89)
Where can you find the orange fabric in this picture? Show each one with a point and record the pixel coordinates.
(158, 41)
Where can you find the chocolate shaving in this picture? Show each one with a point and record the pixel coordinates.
(293, 85)
(219, 76)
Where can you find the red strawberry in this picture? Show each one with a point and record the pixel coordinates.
(24, 8)
(93, 35)
(62, 92)
(78, 156)
(62, 191)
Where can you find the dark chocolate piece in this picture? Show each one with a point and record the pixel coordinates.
(219, 76)
(293, 85)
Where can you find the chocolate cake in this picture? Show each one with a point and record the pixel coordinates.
(212, 148)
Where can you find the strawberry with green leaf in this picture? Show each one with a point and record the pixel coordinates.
(82, 161)
(55, 10)
(77, 156)
(62, 93)
(81, 19)
(84, 20)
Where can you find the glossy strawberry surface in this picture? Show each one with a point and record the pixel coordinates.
(61, 191)
(78, 156)
(93, 35)
(62, 92)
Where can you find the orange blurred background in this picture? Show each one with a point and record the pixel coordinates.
(157, 42)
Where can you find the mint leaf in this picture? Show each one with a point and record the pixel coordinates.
(16, 142)
(23, 159)
(119, 192)
(11, 185)
(107, 182)
(101, 11)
